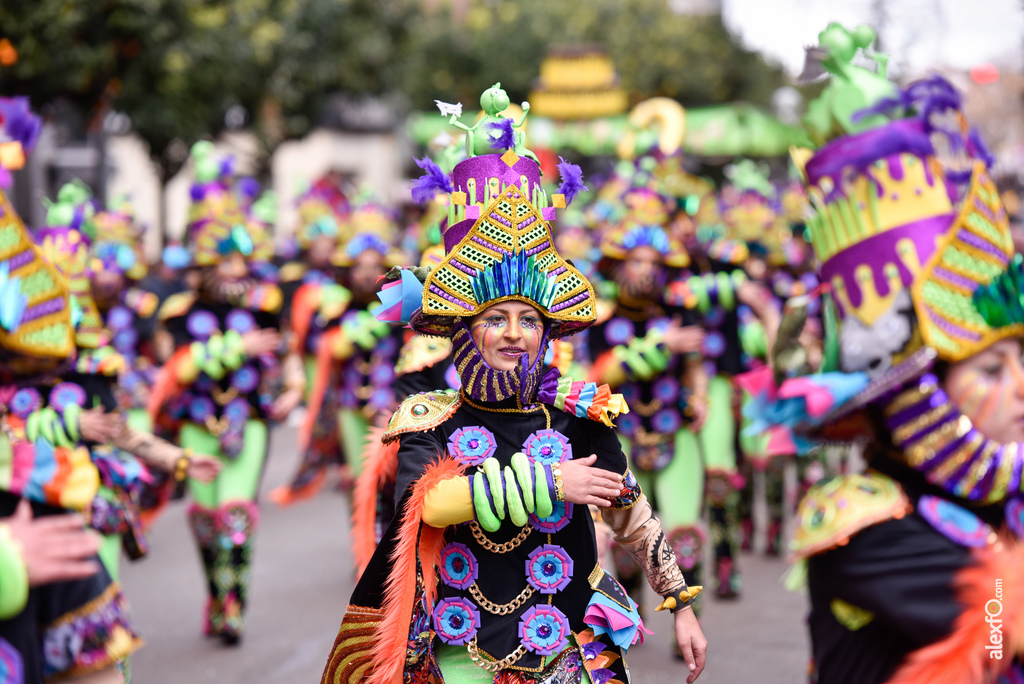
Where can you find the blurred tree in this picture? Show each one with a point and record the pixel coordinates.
(186, 69)
(692, 58)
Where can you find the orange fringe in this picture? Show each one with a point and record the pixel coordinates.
(380, 465)
(392, 634)
(166, 385)
(321, 379)
(961, 658)
(305, 303)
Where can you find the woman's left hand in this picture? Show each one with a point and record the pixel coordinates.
(692, 643)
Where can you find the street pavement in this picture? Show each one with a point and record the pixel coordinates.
(302, 578)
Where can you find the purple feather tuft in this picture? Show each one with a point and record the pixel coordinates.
(502, 133)
(572, 180)
(977, 148)
(18, 122)
(248, 188)
(430, 183)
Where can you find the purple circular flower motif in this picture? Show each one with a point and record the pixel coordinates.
(382, 398)
(245, 379)
(383, 374)
(119, 318)
(25, 401)
(67, 393)
(548, 447)
(202, 324)
(666, 389)
(714, 344)
(954, 522)
(628, 424)
(237, 410)
(387, 346)
(456, 621)
(714, 317)
(618, 331)
(543, 630)
(472, 445)
(549, 569)
(661, 323)
(125, 340)
(666, 421)
(200, 409)
(240, 320)
(558, 519)
(459, 568)
(630, 392)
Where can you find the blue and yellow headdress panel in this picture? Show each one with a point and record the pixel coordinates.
(37, 316)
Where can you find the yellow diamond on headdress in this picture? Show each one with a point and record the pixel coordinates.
(458, 198)
(510, 158)
(558, 201)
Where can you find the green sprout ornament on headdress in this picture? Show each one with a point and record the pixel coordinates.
(495, 125)
(851, 89)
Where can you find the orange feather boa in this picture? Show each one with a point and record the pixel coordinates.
(961, 658)
(380, 465)
(415, 540)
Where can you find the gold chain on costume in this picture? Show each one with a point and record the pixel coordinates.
(646, 410)
(224, 398)
(502, 608)
(493, 547)
(494, 665)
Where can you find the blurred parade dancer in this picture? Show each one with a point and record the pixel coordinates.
(514, 454)
(649, 351)
(218, 383)
(61, 615)
(355, 353)
(914, 568)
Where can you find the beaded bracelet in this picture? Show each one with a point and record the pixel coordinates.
(556, 472)
(181, 465)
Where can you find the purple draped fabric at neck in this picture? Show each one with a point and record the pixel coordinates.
(480, 382)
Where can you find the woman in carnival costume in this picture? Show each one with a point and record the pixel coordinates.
(914, 568)
(355, 353)
(489, 570)
(61, 616)
(217, 384)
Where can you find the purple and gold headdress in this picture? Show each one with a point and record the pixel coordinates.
(498, 242)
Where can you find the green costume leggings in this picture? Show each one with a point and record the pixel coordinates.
(239, 480)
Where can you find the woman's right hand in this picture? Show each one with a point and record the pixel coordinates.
(54, 548)
(584, 484)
